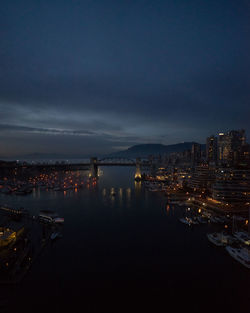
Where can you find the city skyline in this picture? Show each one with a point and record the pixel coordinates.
(94, 78)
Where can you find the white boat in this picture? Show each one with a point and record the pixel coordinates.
(217, 219)
(55, 235)
(45, 218)
(181, 204)
(50, 217)
(241, 255)
(185, 220)
(59, 220)
(243, 237)
(220, 239)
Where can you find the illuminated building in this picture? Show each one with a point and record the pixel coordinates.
(230, 145)
(245, 156)
(232, 185)
(202, 178)
(211, 149)
(195, 153)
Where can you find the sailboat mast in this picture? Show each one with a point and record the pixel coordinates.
(249, 220)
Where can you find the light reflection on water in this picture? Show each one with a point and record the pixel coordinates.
(131, 236)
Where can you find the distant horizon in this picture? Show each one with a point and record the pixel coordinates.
(63, 156)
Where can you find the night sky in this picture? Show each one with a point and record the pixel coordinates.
(93, 77)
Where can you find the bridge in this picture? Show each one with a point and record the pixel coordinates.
(116, 162)
(92, 165)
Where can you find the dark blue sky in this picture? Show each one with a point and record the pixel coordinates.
(89, 77)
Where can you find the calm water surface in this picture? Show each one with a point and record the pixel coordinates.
(125, 253)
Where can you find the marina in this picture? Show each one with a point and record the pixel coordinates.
(107, 222)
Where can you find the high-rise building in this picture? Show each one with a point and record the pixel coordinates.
(195, 153)
(211, 149)
(245, 156)
(230, 145)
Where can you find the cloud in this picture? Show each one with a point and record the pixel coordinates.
(118, 74)
(47, 131)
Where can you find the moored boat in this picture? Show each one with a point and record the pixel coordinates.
(59, 220)
(50, 217)
(217, 219)
(220, 239)
(55, 235)
(241, 255)
(202, 220)
(243, 237)
(185, 220)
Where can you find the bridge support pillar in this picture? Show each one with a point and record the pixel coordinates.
(138, 169)
(93, 168)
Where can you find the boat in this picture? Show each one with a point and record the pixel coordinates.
(6, 190)
(185, 220)
(50, 217)
(206, 213)
(220, 239)
(57, 189)
(45, 218)
(243, 237)
(202, 220)
(194, 220)
(217, 219)
(241, 255)
(55, 235)
(153, 189)
(239, 218)
(181, 204)
(174, 202)
(58, 220)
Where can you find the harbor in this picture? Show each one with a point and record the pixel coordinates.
(114, 232)
(23, 237)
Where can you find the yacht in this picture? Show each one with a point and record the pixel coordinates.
(55, 235)
(202, 220)
(188, 220)
(217, 219)
(45, 218)
(220, 239)
(241, 255)
(50, 217)
(58, 220)
(174, 202)
(185, 220)
(243, 237)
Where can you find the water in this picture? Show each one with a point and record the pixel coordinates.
(125, 253)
